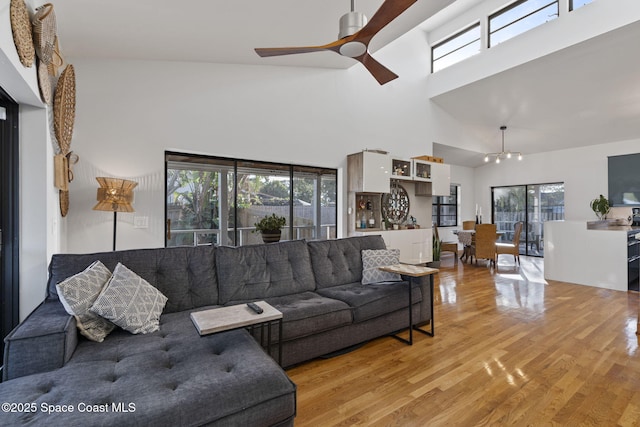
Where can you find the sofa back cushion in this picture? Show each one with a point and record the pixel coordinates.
(185, 275)
(338, 262)
(262, 271)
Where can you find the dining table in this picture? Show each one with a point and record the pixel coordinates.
(465, 237)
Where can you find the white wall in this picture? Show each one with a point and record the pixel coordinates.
(130, 112)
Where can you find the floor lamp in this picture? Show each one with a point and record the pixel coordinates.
(115, 195)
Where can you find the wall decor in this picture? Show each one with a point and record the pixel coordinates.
(395, 204)
(57, 60)
(21, 29)
(44, 32)
(64, 108)
(44, 82)
(64, 112)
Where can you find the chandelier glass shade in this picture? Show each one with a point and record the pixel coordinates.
(502, 154)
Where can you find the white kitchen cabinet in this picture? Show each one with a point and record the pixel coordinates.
(369, 172)
(432, 179)
(441, 179)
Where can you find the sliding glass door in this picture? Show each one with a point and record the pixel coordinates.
(531, 204)
(212, 200)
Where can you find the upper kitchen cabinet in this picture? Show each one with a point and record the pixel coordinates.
(369, 172)
(440, 179)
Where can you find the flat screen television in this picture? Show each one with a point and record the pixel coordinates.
(624, 180)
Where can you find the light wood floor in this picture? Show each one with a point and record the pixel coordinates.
(510, 349)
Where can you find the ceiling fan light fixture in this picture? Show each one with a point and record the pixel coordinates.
(353, 49)
(351, 23)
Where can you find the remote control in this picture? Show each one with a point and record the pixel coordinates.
(254, 307)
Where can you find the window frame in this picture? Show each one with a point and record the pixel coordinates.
(436, 203)
(234, 168)
(507, 9)
(462, 32)
(572, 7)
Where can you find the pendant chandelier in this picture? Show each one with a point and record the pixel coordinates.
(502, 154)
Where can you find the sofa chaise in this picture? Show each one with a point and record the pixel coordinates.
(173, 376)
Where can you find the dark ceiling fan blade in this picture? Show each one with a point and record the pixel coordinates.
(389, 11)
(279, 51)
(381, 73)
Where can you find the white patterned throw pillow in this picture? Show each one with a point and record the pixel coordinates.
(374, 258)
(78, 293)
(130, 302)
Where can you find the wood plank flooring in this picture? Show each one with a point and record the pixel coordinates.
(510, 349)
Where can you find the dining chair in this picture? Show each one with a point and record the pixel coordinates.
(513, 247)
(468, 225)
(447, 246)
(485, 244)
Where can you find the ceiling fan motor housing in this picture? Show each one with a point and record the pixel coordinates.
(351, 23)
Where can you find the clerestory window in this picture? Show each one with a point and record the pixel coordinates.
(520, 17)
(460, 46)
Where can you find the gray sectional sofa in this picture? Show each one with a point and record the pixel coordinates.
(175, 376)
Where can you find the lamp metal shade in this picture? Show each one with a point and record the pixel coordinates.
(115, 195)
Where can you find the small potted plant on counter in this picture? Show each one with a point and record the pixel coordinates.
(270, 227)
(600, 207)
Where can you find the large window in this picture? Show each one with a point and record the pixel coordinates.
(533, 205)
(460, 46)
(217, 201)
(445, 209)
(520, 17)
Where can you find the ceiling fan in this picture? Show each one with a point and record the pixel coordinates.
(354, 37)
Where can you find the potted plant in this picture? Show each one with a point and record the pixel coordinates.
(270, 227)
(437, 246)
(600, 207)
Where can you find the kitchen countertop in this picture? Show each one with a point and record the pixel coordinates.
(607, 226)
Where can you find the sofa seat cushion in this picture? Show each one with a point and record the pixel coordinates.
(308, 313)
(169, 377)
(369, 301)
